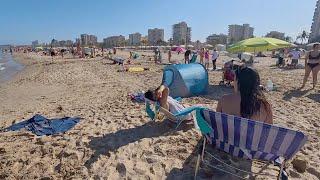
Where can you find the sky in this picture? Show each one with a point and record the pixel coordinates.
(23, 21)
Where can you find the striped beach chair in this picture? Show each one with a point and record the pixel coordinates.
(249, 139)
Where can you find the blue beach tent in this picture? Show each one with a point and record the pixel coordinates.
(185, 80)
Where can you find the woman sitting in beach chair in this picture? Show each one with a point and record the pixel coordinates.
(161, 95)
(248, 101)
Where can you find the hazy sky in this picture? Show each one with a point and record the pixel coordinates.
(25, 20)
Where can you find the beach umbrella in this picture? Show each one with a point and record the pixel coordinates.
(190, 46)
(311, 44)
(208, 45)
(258, 44)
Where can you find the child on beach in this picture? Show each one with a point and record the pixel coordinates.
(206, 57)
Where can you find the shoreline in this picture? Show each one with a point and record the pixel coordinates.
(11, 68)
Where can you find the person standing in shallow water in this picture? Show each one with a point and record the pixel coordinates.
(312, 64)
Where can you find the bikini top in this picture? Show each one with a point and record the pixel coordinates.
(315, 58)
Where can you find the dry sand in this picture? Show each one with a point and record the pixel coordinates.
(115, 139)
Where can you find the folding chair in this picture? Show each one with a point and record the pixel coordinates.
(157, 109)
(249, 139)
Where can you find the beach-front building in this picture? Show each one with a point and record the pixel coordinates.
(54, 43)
(215, 39)
(315, 27)
(88, 40)
(114, 41)
(35, 43)
(69, 43)
(276, 34)
(134, 39)
(181, 33)
(239, 32)
(155, 35)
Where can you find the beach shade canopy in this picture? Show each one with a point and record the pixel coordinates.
(178, 49)
(258, 44)
(208, 45)
(190, 46)
(185, 80)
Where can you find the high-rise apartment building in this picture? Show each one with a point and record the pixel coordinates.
(155, 36)
(240, 32)
(181, 33)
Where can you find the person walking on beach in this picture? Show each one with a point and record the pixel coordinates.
(295, 56)
(159, 56)
(281, 61)
(312, 64)
(169, 55)
(187, 56)
(215, 56)
(206, 59)
(52, 53)
(201, 55)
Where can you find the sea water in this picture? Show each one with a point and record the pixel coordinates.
(8, 67)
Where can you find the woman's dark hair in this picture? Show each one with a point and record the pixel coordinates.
(150, 95)
(251, 94)
(315, 45)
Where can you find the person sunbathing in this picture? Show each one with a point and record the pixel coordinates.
(248, 100)
(161, 95)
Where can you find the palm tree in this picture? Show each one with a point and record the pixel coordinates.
(303, 36)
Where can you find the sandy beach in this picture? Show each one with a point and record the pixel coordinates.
(115, 139)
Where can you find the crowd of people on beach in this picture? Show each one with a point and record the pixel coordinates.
(248, 99)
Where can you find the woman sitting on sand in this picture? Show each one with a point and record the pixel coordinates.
(161, 95)
(312, 64)
(248, 100)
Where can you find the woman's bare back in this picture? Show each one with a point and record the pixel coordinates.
(230, 104)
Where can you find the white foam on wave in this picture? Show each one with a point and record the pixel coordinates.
(2, 67)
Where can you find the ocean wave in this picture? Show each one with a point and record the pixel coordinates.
(2, 67)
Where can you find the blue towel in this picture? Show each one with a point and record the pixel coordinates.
(40, 125)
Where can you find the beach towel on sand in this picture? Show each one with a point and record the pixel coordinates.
(40, 125)
(137, 97)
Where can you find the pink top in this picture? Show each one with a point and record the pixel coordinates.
(206, 55)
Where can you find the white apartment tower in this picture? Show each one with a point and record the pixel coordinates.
(135, 39)
(181, 33)
(315, 27)
(240, 32)
(87, 39)
(155, 35)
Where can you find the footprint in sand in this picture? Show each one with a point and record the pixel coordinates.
(122, 170)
